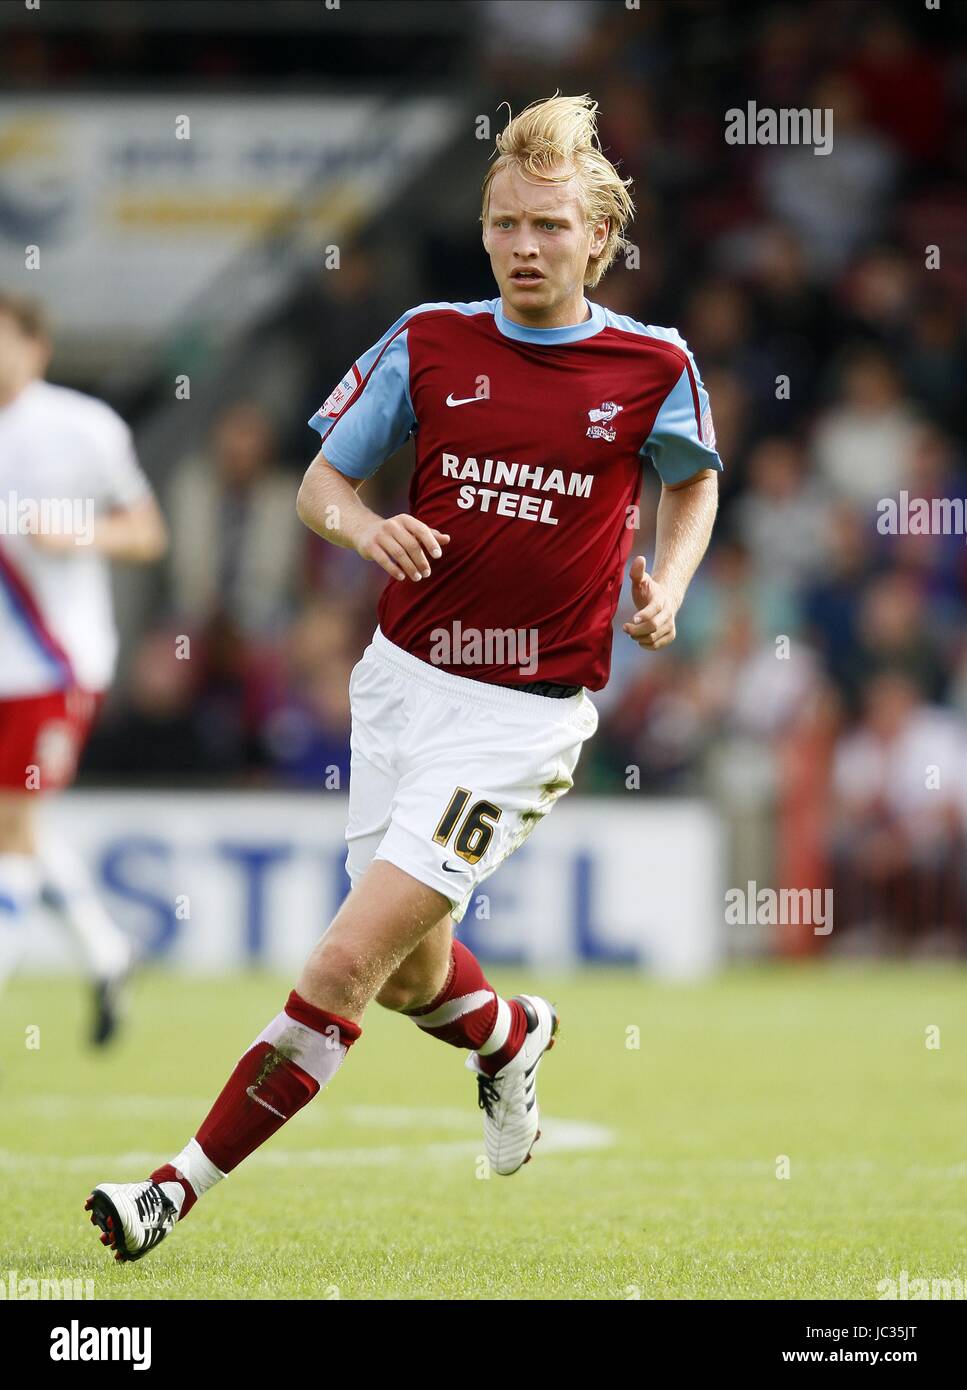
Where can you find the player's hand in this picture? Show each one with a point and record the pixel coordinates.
(653, 625)
(401, 544)
(54, 543)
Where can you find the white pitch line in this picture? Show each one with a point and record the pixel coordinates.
(56, 1107)
(405, 1116)
(559, 1136)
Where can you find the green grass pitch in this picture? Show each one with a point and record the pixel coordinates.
(656, 1178)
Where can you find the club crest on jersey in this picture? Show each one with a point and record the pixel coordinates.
(336, 403)
(601, 417)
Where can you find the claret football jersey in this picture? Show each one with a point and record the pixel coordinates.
(529, 451)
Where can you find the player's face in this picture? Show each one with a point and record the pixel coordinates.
(539, 243)
(20, 356)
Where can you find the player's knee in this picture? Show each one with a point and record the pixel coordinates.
(337, 969)
(400, 994)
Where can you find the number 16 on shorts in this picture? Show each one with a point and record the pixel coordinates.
(474, 827)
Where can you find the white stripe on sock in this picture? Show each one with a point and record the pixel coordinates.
(195, 1165)
(500, 1030)
(319, 1054)
(454, 1009)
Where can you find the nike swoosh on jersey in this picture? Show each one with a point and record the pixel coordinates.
(466, 400)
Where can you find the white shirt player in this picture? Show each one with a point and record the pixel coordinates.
(74, 453)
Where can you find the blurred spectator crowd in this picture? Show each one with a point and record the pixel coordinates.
(818, 685)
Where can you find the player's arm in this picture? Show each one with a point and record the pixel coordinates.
(365, 420)
(135, 535)
(327, 503)
(128, 525)
(686, 515)
(681, 446)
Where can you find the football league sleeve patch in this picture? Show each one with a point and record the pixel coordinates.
(369, 415)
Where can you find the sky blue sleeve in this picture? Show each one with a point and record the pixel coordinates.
(681, 444)
(369, 415)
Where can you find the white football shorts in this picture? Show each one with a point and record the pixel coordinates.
(449, 775)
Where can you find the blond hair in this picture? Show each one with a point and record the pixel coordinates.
(563, 131)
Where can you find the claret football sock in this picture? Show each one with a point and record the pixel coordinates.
(469, 1013)
(287, 1064)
